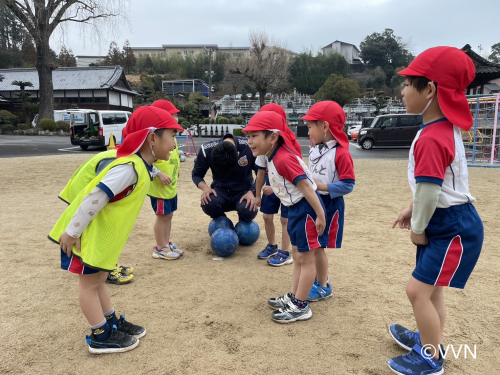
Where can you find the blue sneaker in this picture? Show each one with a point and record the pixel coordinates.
(405, 338)
(281, 259)
(417, 362)
(318, 292)
(268, 252)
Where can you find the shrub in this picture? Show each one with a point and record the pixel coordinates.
(185, 124)
(24, 126)
(237, 132)
(7, 128)
(61, 125)
(7, 117)
(238, 120)
(181, 120)
(222, 120)
(48, 124)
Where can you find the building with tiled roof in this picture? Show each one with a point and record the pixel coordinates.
(99, 87)
(487, 74)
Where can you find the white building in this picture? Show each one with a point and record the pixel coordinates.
(84, 61)
(348, 50)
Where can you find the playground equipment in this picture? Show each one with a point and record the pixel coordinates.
(483, 141)
(188, 137)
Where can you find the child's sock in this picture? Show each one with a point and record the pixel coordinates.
(274, 247)
(300, 304)
(101, 331)
(111, 317)
(291, 295)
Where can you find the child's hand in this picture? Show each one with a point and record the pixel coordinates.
(67, 242)
(164, 178)
(419, 239)
(320, 224)
(258, 201)
(404, 219)
(268, 190)
(320, 186)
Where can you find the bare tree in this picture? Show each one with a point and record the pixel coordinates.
(232, 82)
(42, 17)
(267, 66)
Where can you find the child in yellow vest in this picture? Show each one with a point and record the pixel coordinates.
(78, 181)
(94, 228)
(163, 195)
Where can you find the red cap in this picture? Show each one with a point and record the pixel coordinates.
(166, 106)
(453, 71)
(332, 113)
(267, 120)
(273, 107)
(143, 121)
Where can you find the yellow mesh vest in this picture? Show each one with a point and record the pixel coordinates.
(104, 238)
(83, 175)
(170, 168)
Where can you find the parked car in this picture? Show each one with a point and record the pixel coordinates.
(238, 97)
(249, 95)
(257, 95)
(268, 94)
(351, 129)
(59, 115)
(366, 122)
(390, 130)
(354, 135)
(226, 97)
(90, 127)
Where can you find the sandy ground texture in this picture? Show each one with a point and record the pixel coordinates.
(211, 317)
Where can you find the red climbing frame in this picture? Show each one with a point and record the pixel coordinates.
(188, 136)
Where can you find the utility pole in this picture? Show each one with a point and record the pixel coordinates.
(210, 74)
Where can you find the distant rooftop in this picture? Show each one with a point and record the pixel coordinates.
(339, 41)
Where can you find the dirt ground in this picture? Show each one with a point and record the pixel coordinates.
(211, 317)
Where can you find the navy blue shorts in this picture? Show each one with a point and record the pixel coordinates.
(271, 205)
(302, 227)
(334, 209)
(455, 237)
(164, 206)
(74, 264)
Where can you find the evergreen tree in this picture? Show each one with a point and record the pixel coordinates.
(66, 58)
(114, 56)
(129, 59)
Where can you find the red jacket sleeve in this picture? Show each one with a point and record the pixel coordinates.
(288, 165)
(432, 156)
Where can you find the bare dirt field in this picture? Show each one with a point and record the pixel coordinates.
(211, 317)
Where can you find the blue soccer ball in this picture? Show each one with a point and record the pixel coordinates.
(220, 222)
(248, 232)
(224, 242)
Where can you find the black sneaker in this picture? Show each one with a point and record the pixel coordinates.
(117, 342)
(130, 329)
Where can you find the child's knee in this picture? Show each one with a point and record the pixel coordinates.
(268, 218)
(306, 258)
(413, 292)
(283, 221)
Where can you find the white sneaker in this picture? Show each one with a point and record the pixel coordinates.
(165, 253)
(174, 248)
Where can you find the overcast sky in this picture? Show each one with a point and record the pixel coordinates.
(304, 24)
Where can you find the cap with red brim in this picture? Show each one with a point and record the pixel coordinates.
(331, 112)
(271, 121)
(143, 121)
(273, 107)
(166, 106)
(453, 71)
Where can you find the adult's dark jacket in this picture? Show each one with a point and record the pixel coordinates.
(240, 179)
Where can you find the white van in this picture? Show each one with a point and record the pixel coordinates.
(59, 115)
(90, 127)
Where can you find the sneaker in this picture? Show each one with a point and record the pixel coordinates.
(279, 302)
(130, 329)
(117, 342)
(165, 253)
(115, 277)
(405, 338)
(281, 259)
(268, 252)
(416, 362)
(318, 292)
(291, 313)
(124, 270)
(174, 248)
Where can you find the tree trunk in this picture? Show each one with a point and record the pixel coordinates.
(45, 66)
(262, 97)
